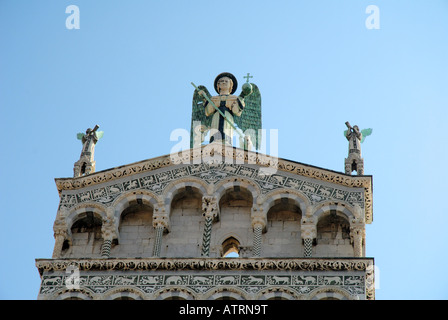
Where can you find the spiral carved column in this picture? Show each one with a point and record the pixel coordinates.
(258, 225)
(210, 211)
(309, 233)
(161, 225)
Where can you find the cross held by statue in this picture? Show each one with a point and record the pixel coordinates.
(248, 77)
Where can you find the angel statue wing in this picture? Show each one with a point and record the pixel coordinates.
(80, 135)
(250, 120)
(198, 117)
(365, 133)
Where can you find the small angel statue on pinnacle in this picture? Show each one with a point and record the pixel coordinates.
(86, 165)
(354, 161)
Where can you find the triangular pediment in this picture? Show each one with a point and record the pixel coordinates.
(213, 164)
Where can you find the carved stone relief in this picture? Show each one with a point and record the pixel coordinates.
(149, 276)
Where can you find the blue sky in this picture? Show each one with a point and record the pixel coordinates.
(129, 67)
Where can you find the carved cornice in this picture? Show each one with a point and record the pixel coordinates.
(259, 264)
(248, 157)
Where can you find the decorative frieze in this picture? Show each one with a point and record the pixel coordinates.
(200, 285)
(202, 277)
(303, 264)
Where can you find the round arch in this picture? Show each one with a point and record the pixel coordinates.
(226, 184)
(329, 293)
(177, 186)
(174, 293)
(326, 207)
(226, 293)
(295, 196)
(145, 196)
(130, 293)
(70, 294)
(78, 212)
(277, 293)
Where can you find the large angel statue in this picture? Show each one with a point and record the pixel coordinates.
(225, 113)
(86, 164)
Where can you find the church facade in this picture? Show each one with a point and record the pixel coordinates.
(214, 222)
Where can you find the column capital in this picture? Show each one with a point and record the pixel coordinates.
(110, 212)
(309, 210)
(61, 233)
(308, 228)
(161, 218)
(357, 235)
(357, 231)
(108, 229)
(258, 221)
(258, 218)
(210, 207)
(359, 215)
(60, 227)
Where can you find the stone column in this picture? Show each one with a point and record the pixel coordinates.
(258, 229)
(109, 233)
(87, 164)
(61, 233)
(308, 233)
(158, 240)
(357, 230)
(354, 163)
(161, 225)
(357, 234)
(258, 225)
(210, 210)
